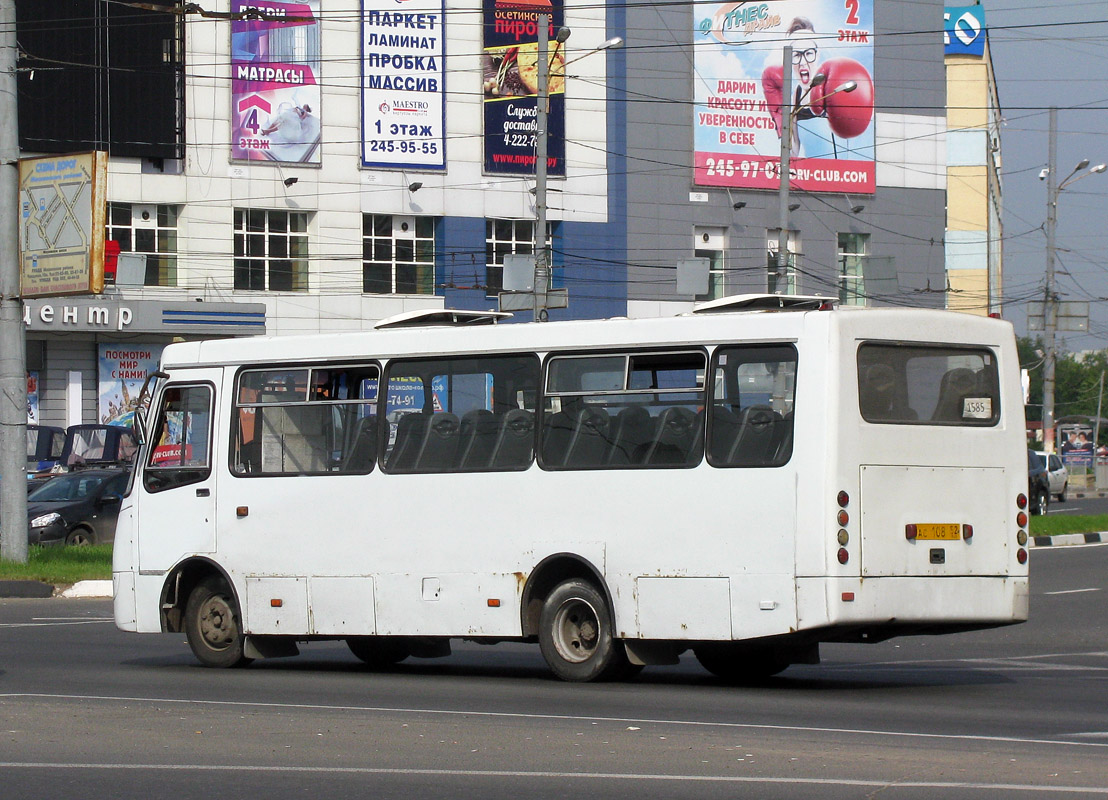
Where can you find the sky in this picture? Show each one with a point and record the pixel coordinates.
(1053, 53)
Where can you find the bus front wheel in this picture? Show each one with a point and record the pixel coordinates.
(212, 625)
(575, 634)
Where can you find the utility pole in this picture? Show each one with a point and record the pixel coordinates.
(781, 266)
(542, 256)
(1050, 300)
(13, 356)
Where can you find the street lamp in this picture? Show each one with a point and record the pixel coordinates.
(542, 254)
(1050, 304)
(788, 119)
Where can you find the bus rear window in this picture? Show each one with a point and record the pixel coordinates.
(927, 385)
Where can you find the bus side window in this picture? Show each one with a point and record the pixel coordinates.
(179, 453)
(751, 419)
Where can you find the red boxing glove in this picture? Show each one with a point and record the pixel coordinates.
(848, 113)
(773, 79)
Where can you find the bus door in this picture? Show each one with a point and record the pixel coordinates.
(176, 506)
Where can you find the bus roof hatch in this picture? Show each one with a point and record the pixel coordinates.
(441, 316)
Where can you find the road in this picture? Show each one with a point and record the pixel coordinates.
(88, 711)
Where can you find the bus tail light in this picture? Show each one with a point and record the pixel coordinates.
(967, 532)
(844, 556)
(1021, 500)
(843, 518)
(910, 532)
(844, 499)
(1021, 556)
(1021, 519)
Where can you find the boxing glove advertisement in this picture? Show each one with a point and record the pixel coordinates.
(740, 102)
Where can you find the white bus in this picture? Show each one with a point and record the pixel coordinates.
(745, 482)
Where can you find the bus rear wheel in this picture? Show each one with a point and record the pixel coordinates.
(737, 664)
(378, 652)
(213, 625)
(575, 634)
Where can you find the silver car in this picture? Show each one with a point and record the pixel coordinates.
(1057, 474)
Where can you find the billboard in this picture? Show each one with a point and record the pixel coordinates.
(61, 224)
(510, 66)
(738, 85)
(404, 84)
(274, 88)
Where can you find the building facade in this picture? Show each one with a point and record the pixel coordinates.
(319, 166)
(974, 192)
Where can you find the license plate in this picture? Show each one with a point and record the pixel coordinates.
(945, 532)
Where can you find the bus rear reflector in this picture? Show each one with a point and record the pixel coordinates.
(276, 602)
(1021, 556)
(909, 532)
(844, 556)
(494, 602)
(848, 597)
(967, 532)
(1021, 519)
(843, 518)
(242, 511)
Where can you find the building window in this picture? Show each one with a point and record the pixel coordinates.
(852, 255)
(398, 254)
(271, 250)
(506, 237)
(150, 230)
(790, 285)
(708, 243)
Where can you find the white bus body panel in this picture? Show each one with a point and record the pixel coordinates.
(685, 554)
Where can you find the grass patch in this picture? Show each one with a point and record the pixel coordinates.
(1058, 524)
(61, 565)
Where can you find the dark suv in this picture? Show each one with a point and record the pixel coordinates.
(1038, 483)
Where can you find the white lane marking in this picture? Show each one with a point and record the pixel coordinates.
(561, 776)
(1074, 591)
(440, 712)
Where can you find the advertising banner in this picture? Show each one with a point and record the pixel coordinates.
(32, 397)
(404, 84)
(123, 370)
(274, 88)
(738, 86)
(510, 65)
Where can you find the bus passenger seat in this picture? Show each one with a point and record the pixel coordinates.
(725, 432)
(515, 442)
(477, 438)
(956, 385)
(409, 438)
(440, 444)
(363, 451)
(675, 439)
(589, 445)
(632, 431)
(753, 447)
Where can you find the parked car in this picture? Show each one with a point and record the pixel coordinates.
(1057, 474)
(1038, 484)
(77, 508)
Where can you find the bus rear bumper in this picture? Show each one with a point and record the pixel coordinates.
(901, 604)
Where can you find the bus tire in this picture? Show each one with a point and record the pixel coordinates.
(213, 625)
(739, 665)
(575, 634)
(378, 652)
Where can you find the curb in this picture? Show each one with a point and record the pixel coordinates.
(1069, 538)
(38, 589)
